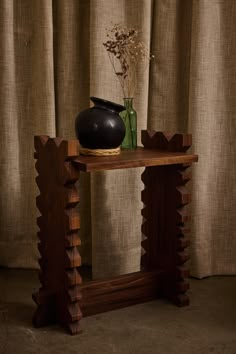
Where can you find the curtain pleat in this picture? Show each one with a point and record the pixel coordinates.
(116, 195)
(71, 43)
(26, 109)
(212, 112)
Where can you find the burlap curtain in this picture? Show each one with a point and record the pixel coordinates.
(52, 60)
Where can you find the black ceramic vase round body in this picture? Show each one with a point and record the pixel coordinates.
(100, 127)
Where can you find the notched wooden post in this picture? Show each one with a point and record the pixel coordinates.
(58, 298)
(164, 215)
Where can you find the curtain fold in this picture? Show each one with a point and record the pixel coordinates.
(52, 59)
(71, 51)
(26, 108)
(116, 195)
(169, 74)
(212, 112)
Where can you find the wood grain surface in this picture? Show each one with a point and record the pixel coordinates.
(139, 157)
(125, 290)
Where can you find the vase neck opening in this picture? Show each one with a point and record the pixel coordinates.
(128, 102)
(107, 105)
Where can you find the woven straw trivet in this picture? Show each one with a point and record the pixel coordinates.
(99, 152)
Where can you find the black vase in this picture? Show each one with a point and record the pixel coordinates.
(100, 127)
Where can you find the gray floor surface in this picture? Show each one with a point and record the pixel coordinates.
(208, 325)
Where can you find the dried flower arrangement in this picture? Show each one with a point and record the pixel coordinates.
(126, 51)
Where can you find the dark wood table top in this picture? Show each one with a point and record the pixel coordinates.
(139, 157)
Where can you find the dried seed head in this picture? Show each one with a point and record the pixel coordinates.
(126, 52)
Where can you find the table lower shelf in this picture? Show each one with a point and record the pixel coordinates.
(109, 294)
(129, 289)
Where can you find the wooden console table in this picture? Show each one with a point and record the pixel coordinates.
(62, 296)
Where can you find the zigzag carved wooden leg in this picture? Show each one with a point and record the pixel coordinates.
(164, 232)
(178, 293)
(59, 296)
(165, 197)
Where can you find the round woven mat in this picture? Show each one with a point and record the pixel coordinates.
(99, 152)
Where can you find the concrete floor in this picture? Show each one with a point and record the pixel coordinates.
(208, 325)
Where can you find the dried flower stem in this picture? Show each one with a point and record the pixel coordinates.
(125, 52)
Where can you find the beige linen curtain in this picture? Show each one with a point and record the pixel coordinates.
(52, 60)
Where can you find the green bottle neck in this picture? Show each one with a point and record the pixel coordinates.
(128, 102)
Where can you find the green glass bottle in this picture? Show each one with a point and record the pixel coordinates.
(129, 116)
